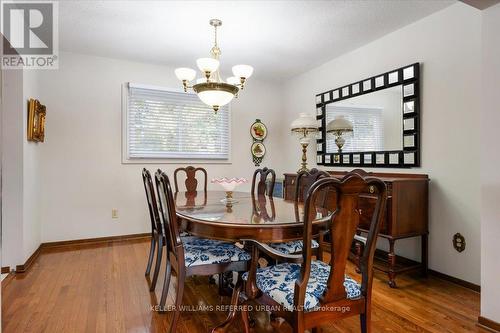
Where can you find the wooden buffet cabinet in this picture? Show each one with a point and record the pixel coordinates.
(406, 216)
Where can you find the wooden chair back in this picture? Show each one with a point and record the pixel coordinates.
(305, 179)
(343, 225)
(152, 203)
(262, 187)
(191, 183)
(168, 215)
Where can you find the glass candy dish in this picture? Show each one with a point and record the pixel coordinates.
(229, 184)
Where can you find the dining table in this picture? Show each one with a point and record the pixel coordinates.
(247, 216)
(258, 217)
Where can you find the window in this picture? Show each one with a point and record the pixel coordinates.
(368, 126)
(165, 124)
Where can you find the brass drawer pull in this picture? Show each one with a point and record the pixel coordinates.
(371, 189)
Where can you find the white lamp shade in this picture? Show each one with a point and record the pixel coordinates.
(339, 124)
(233, 80)
(207, 64)
(305, 121)
(244, 71)
(215, 97)
(185, 74)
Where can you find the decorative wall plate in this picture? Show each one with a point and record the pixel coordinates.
(258, 130)
(258, 149)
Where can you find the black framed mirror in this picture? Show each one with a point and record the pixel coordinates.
(374, 122)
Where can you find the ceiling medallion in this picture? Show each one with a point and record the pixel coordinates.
(211, 89)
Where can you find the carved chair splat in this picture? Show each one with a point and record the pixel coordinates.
(191, 183)
(262, 187)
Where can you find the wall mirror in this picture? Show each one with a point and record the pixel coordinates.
(376, 123)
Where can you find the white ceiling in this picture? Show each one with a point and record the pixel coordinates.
(279, 38)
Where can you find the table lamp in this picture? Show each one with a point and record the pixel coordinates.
(305, 126)
(339, 127)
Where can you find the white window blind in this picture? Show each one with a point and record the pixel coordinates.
(171, 124)
(368, 129)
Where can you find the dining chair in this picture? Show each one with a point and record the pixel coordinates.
(307, 292)
(191, 255)
(191, 183)
(305, 179)
(263, 187)
(157, 236)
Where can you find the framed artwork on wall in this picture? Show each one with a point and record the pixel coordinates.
(36, 120)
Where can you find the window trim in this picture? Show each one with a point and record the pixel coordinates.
(124, 134)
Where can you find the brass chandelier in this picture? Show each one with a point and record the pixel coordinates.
(211, 89)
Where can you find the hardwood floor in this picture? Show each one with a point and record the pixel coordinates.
(102, 288)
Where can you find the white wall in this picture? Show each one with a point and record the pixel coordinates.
(448, 45)
(83, 177)
(31, 174)
(20, 172)
(12, 168)
(490, 164)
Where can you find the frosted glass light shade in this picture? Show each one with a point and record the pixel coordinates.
(305, 121)
(215, 94)
(207, 64)
(339, 124)
(185, 74)
(304, 125)
(244, 71)
(215, 97)
(233, 80)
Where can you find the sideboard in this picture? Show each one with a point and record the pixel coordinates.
(406, 216)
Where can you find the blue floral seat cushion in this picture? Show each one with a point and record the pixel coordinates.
(278, 282)
(204, 251)
(292, 247)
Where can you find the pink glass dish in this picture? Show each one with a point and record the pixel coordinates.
(229, 184)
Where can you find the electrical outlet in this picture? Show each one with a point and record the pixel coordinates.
(114, 213)
(459, 242)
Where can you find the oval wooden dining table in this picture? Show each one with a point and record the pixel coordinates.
(262, 218)
(258, 217)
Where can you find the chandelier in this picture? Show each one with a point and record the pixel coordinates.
(211, 89)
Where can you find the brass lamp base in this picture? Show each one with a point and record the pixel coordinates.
(303, 167)
(339, 141)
